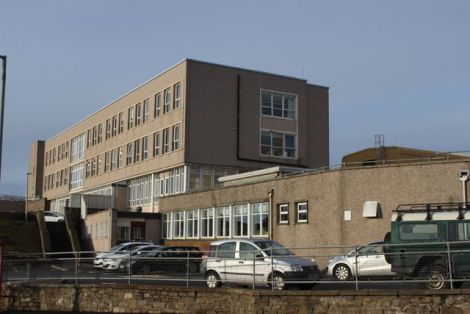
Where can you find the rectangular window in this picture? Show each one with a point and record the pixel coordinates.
(158, 105)
(78, 147)
(283, 216)
(108, 129)
(130, 154)
(107, 161)
(175, 142)
(277, 144)
(259, 219)
(302, 212)
(178, 225)
(121, 122)
(89, 137)
(177, 93)
(223, 221)
(418, 231)
(278, 105)
(120, 158)
(100, 133)
(136, 150)
(459, 231)
(146, 111)
(192, 223)
(166, 226)
(115, 126)
(167, 100)
(207, 223)
(130, 118)
(76, 175)
(166, 141)
(145, 148)
(240, 220)
(138, 114)
(114, 159)
(156, 144)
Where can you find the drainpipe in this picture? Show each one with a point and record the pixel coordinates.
(271, 213)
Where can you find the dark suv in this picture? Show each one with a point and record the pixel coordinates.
(169, 259)
(430, 242)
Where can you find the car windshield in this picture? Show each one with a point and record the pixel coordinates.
(116, 248)
(274, 247)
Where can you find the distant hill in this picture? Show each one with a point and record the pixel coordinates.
(4, 197)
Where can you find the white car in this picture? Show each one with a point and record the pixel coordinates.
(260, 262)
(368, 260)
(119, 260)
(53, 217)
(123, 247)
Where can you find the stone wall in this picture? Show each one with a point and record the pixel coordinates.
(149, 299)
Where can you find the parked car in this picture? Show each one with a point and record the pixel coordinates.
(123, 247)
(53, 217)
(262, 261)
(370, 263)
(119, 260)
(169, 259)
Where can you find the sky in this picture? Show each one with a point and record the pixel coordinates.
(399, 68)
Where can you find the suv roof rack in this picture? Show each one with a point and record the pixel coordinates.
(428, 208)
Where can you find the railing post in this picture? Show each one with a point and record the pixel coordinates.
(129, 271)
(449, 262)
(187, 269)
(28, 269)
(254, 263)
(272, 270)
(356, 269)
(76, 268)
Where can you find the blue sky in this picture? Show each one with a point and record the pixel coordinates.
(399, 68)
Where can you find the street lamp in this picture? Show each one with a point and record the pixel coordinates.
(2, 104)
(27, 197)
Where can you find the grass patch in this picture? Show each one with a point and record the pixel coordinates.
(21, 236)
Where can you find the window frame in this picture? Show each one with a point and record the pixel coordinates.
(283, 108)
(298, 212)
(280, 208)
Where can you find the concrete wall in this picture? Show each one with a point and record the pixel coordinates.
(103, 219)
(149, 299)
(330, 193)
(35, 170)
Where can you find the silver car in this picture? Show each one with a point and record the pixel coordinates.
(368, 261)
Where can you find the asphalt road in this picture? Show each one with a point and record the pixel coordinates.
(67, 272)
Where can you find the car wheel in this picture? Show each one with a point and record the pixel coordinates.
(146, 269)
(341, 272)
(277, 281)
(435, 276)
(212, 280)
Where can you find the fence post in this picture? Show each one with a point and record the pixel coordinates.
(355, 267)
(76, 268)
(272, 269)
(254, 263)
(449, 262)
(129, 272)
(28, 269)
(187, 269)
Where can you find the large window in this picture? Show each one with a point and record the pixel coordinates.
(278, 105)
(169, 182)
(177, 100)
(192, 223)
(260, 219)
(140, 191)
(278, 144)
(207, 223)
(178, 224)
(418, 231)
(223, 221)
(78, 147)
(175, 142)
(76, 175)
(240, 219)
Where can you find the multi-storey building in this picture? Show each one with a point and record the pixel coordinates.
(180, 132)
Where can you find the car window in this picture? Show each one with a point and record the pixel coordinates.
(459, 231)
(247, 251)
(418, 231)
(227, 250)
(274, 247)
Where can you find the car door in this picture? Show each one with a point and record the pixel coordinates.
(247, 269)
(371, 262)
(226, 261)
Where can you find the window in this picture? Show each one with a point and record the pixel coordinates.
(278, 144)
(138, 114)
(78, 148)
(130, 153)
(76, 176)
(207, 223)
(156, 144)
(123, 233)
(140, 191)
(247, 251)
(175, 142)
(146, 111)
(240, 219)
(177, 92)
(108, 129)
(115, 126)
(278, 105)
(130, 118)
(121, 122)
(166, 230)
(223, 221)
(227, 250)
(107, 161)
(145, 148)
(418, 231)
(260, 219)
(166, 145)
(178, 224)
(158, 105)
(120, 153)
(283, 217)
(459, 231)
(302, 212)
(136, 150)
(100, 133)
(192, 219)
(114, 159)
(167, 100)
(89, 138)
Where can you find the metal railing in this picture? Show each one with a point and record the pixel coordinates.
(432, 265)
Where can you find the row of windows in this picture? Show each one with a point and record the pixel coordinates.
(242, 220)
(301, 213)
(56, 179)
(95, 231)
(136, 115)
